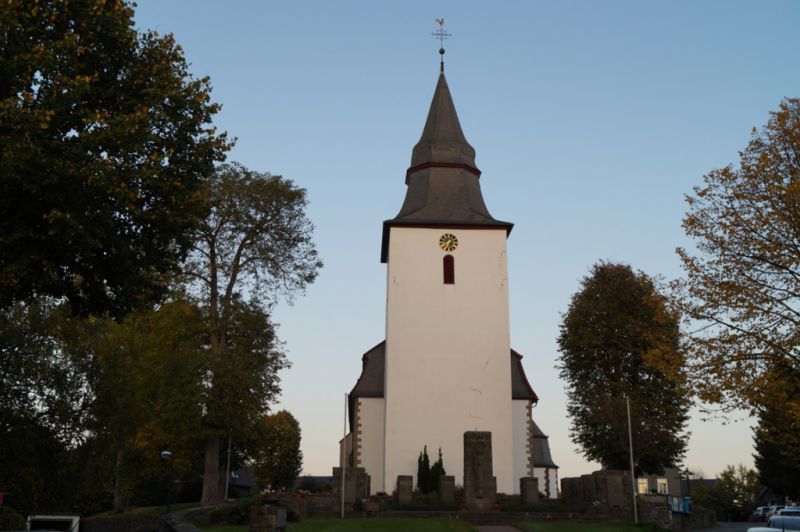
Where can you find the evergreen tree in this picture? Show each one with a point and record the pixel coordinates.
(423, 471)
(620, 340)
(437, 471)
(777, 438)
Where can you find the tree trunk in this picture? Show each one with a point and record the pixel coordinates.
(211, 481)
(118, 505)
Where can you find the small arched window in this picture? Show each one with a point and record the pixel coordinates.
(449, 269)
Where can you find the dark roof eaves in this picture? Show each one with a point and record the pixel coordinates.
(488, 224)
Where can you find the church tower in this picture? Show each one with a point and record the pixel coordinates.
(446, 366)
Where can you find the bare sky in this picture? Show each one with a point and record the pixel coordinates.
(590, 119)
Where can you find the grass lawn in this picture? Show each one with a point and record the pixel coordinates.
(361, 524)
(147, 510)
(584, 527)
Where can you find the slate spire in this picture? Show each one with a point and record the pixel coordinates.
(442, 139)
(443, 180)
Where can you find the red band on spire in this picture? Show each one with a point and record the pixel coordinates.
(423, 166)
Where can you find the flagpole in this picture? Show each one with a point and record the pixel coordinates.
(633, 476)
(344, 450)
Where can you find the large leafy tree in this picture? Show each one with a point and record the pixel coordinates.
(742, 285)
(105, 143)
(45, 396)
(276, 455)
(777, 442)
(620, 339)
(255, 246)
(147, 380)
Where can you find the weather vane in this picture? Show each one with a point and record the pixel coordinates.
(441, 34)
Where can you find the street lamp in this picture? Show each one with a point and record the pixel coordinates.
(166, 456)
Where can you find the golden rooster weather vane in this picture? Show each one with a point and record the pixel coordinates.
(441, 34)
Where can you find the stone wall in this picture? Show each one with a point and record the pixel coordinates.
(609, 489)
(356, 484)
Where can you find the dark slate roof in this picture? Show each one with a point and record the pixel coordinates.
(442, 139)
(541, 449)
(443, 185)
(520, 387)
(371, 381)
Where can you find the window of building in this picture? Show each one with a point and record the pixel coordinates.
(661, 485)
(642, 485)
(449, 267)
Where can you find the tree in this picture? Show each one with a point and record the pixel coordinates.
(44, 394)
(277, 458)
(777, 443)
(427, 474)
(254, 247)
(105, 144)
(423, 471)
(437, 471)
(620, 339)
(736, 491)
(147, 381)
(742, 286)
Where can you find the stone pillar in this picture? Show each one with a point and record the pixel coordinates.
(405, 485)
(572, 490)
(589, 488)
(529, 489)
(447, 490)
(480, 485)
(356, 483)
(267, 519)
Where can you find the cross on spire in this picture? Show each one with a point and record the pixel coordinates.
(441, 34)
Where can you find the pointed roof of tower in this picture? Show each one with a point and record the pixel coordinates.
(442, 139)
(443, 181)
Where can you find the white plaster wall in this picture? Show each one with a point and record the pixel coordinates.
(540, 473)
(520, 425)
(370, 417)
(447, 351)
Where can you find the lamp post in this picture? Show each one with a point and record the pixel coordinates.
(166, 456)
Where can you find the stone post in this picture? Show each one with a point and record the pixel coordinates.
(529, 489)
(480, 487)
(405, 485)
(447, 490)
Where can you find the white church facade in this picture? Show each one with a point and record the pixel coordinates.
(446, 366)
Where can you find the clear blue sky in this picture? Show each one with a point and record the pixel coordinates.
(591, 120)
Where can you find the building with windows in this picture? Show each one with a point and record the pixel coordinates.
(667, 483)
(446, 365)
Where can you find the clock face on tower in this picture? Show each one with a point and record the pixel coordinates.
(448, 242)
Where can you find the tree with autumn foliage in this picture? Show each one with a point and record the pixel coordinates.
(775, 438)
(275, 452)
(620, 339)
(254, 247)
(742, 285)
(106, 142)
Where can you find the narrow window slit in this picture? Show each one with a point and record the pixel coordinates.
(449, 267)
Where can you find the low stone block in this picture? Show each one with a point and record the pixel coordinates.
(262, 519)
(447, 490)
(572, 490)
(405, 486)
(529, 489)
(589, 488)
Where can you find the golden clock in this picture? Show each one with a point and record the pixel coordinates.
(448, 242)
